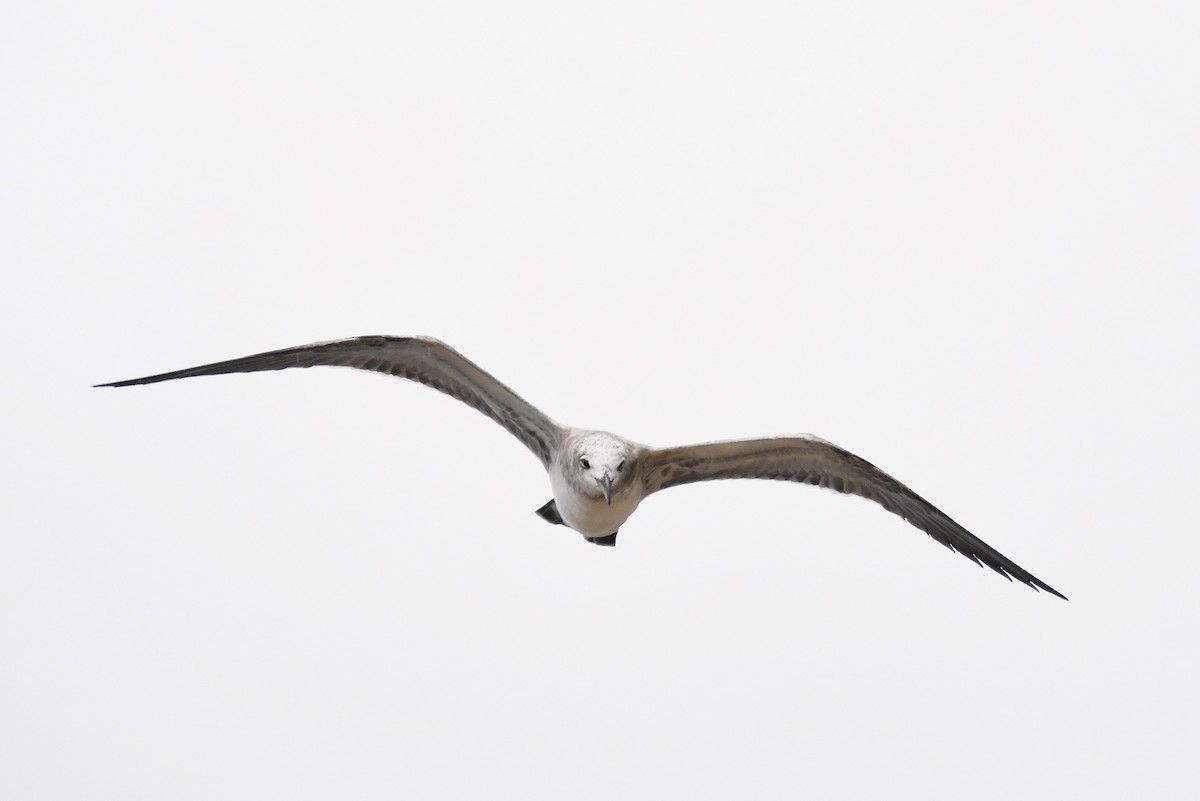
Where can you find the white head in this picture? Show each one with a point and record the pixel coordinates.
(599, 463)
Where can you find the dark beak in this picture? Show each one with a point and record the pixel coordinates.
(606, 485)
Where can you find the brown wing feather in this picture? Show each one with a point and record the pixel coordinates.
(421, 359)
(810, 460)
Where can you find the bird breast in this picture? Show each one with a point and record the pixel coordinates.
(591, 517)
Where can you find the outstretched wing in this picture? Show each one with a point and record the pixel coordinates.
(422, 359)
(810, 460)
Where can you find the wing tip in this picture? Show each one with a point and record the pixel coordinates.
(1038, 585)
(1029, 580)
(129, 382)
(1025, 578)
(1050, 590)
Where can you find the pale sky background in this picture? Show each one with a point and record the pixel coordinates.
(959, 239)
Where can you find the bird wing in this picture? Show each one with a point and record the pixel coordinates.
(422, 359)
(807, 459)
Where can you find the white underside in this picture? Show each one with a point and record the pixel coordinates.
(591, 517)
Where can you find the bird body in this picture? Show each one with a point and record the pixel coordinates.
(580, 492)
(598, 479)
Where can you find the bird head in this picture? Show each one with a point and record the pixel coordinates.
(600, 463)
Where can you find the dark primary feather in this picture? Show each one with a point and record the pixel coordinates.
(423, 359)
(809, 460)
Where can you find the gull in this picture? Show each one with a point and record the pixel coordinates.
(597, 478)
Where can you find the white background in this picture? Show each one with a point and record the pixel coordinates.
(959, 239)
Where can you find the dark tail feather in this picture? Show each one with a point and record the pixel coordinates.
(550, 514)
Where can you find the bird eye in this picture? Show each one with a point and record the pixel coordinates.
(621, 466)
(583, 462)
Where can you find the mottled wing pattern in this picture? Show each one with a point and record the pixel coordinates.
(810, 460)
(421, 359)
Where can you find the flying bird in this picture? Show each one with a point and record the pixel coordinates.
(597, 478)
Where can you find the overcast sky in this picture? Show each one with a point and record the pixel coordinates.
(957, 239)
